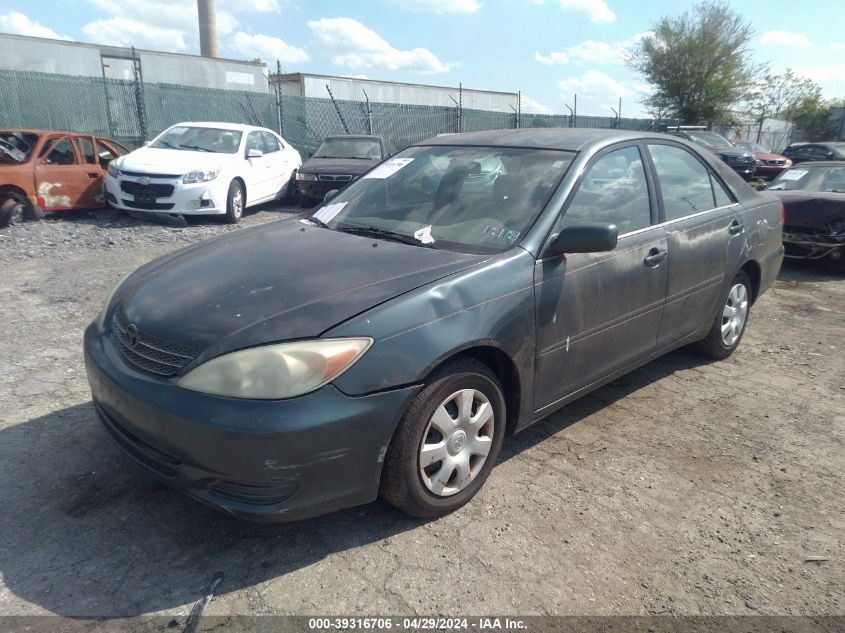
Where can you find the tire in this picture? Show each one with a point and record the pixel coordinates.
(15, 209)
(235, 202)
(305, 202)
(734, 311)
(438, 489)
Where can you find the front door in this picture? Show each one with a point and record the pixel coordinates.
(258, 170)
(599, 312)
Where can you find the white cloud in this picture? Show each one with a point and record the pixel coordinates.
(785, 38)
(836, 46)
(268, 48)
(830, 77)
(120, 31)
(530, 106)
(597, 92)
(440, 6)
(593, 52)
(259, 6)
(19, 24)
(596, 10)
(351, 44)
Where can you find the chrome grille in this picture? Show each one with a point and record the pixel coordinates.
(776, 162)
(334, 177)
(148, 352)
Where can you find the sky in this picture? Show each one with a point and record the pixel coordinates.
(547, 49)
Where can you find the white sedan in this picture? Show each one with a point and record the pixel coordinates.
(204, 169)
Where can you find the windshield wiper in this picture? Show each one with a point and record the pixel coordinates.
(197, 148)
(170, 145)
(384, 234)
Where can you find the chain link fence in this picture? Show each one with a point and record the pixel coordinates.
(134, 111)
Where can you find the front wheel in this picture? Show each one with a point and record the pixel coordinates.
(729, 326)
(447, 441)
(235, 201)
(15, 209)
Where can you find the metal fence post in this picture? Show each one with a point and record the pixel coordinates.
(138, 75)
(279, 98)
(337, 108)
(369, 112)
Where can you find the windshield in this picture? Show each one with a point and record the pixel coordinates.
(199, 139)
(469, 199)
(364, 149)
(811, 179)
(753, 147)
(709, 139)
(16, 146)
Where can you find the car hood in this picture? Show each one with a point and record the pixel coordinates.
(812, 209)
(337, 166)
(275, 282)
(171, 161)
(731, 151)
(769, 156)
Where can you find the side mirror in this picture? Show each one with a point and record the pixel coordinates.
(762, 186)
(254, 153)
(330, 194)
(589, 237)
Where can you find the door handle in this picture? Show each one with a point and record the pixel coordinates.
(735, 228)
(93, 174)
(655, 256)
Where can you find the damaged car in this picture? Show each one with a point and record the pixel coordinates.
(42, 170)
(388, 343)
(813, 196)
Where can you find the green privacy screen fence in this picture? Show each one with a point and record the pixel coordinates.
(132, 112)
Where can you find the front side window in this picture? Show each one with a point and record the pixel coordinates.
(199, 139)
(255, 140)
(469, 199)
(685, 182)
(271, 144)
(613, 190)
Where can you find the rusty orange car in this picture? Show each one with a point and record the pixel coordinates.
(42, 170)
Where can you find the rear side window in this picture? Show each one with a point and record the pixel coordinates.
(613, 190)
(685, 182)
(723, 198)
(86, 148)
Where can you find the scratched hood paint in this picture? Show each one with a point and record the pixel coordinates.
(275, 282)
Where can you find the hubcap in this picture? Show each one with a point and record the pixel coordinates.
(456, 442)
(734, 314)
(15, 209)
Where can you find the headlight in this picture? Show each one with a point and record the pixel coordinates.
(200, 175)
(278, 371)
(101, 319)
(788, 163)
(305, 176)
(112, 168)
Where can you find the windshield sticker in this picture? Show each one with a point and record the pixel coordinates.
(794, 174)
(501, 232)
(326, 214)
(389, 168)
(424, 235)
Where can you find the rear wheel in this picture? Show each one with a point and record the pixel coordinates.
(447, 441)
(235, 201)
(729, 325)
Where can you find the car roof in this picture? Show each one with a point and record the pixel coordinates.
(240, 127)
(21, 130)
(819, 163)
(367, 137)
(570, 139)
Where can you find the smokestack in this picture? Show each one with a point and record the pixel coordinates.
(208, 27)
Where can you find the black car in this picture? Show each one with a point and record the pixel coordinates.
(813, 196)
(338, 161)
(807, 152)
(388, 343)
(740, 160)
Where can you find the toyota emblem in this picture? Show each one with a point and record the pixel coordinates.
(132, 335)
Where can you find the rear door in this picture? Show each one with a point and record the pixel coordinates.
(598, 312)
(279, 174)
(63, 179)
(705, 235)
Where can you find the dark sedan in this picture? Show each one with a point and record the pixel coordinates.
(390, 342)
(740, 160)
(813, 196)
(812, 152)
(338, 161)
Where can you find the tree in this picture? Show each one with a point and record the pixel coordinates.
(699, 62)
(812, 117)
(780, 96)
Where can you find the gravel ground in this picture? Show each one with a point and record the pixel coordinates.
(682, 488)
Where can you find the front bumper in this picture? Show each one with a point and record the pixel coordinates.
(769, 172)
(813, 245)
(172, 195)
(317, 189)
(275, 460)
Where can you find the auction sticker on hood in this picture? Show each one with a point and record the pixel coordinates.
(794, 174)
(328, 212)
(389, 168)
